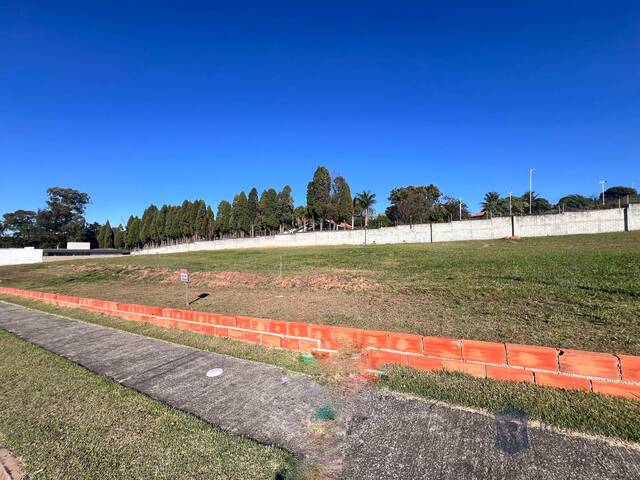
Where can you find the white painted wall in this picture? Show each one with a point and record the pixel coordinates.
(78, 246)
(597, 221)
(19, 256)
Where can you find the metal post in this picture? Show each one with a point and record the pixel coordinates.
(460, 209)
(530, 188)
(602, 182)
(510, 204)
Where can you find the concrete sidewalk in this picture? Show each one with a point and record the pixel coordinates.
(375, 434)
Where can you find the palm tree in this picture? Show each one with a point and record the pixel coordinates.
(491, 203)
(365, 200)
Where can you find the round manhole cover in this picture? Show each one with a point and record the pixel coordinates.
(214, 372)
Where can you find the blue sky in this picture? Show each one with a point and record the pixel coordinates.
(141, 102)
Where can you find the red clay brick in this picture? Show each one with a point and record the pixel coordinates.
(260, 324)
(227, 321)
(307, 345)
(562, 381)
(511, 374)
(201, 317)
(270, 340)
(487, 352)
(209, 330)
(235, 334)
(221, 332)
(378, 358)
(617, 389)
(297, 329)
(442, 347)
(150, 310)
(213, 318)
(374, 338)
(473, 369)
(347, 338)
(424, 363)
(251, 337)
(278, 326)
(290, 343)
(589, 363)
(630, 368)
(243, 322)
(322, 333)
(405, 342)
(195, 327)
(532, 357)
(180, 325)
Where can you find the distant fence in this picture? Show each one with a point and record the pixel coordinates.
(569, 223)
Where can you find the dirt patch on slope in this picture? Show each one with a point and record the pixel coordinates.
(337, 281)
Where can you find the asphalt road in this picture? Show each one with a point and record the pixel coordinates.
(353, 431)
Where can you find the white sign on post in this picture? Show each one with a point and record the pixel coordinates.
(184, 275)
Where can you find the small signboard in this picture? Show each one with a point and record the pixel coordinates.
(184, 275)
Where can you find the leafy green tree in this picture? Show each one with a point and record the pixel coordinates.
(159, 223)
(240, 221)
(577, 202)
(21, 224)
(341, 201)
(63, 219)
(614, 193)
(413, 204)
(223, 219)
(268, 209)
(451, 209)
(285, 208)
(300, 216)
(491, 204)
(186, 219)
(319, 195)
(253, 210)
(380, 221)
(365, 201)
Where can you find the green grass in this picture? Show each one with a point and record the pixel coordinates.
(569, 292)
(65, 422)
(584, 412)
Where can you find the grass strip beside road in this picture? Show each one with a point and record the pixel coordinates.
(66, 422)
(584, 412)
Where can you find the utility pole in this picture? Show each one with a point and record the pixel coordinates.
(530, 187)
(510, 195)
(602, 182)
(460, 208)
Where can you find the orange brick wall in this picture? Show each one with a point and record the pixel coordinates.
(609, 374)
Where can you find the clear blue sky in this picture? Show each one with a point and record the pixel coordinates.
(138, 102)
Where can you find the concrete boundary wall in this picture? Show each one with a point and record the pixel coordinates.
(19, 256)
(605, 373)
(571, 223)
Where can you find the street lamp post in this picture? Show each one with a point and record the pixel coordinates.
(510, 195)
(602, 182)
(460, 208)
(530, 188)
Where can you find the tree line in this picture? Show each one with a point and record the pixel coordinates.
(329, 205)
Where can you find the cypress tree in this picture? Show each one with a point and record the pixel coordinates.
(186, 227)
(201, 219)
(118, 237)
(342, 203)
(146, 227)
(105, 238)
(252, 210)
(223, 219)
(240, 215)
(320, 192)
(211, 223)
(285, 208)
(132, 236)
(269, 210)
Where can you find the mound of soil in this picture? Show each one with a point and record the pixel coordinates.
(10, 466)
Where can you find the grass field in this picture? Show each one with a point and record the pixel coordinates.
(65, 422)
(585, 412)
(573, 291)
